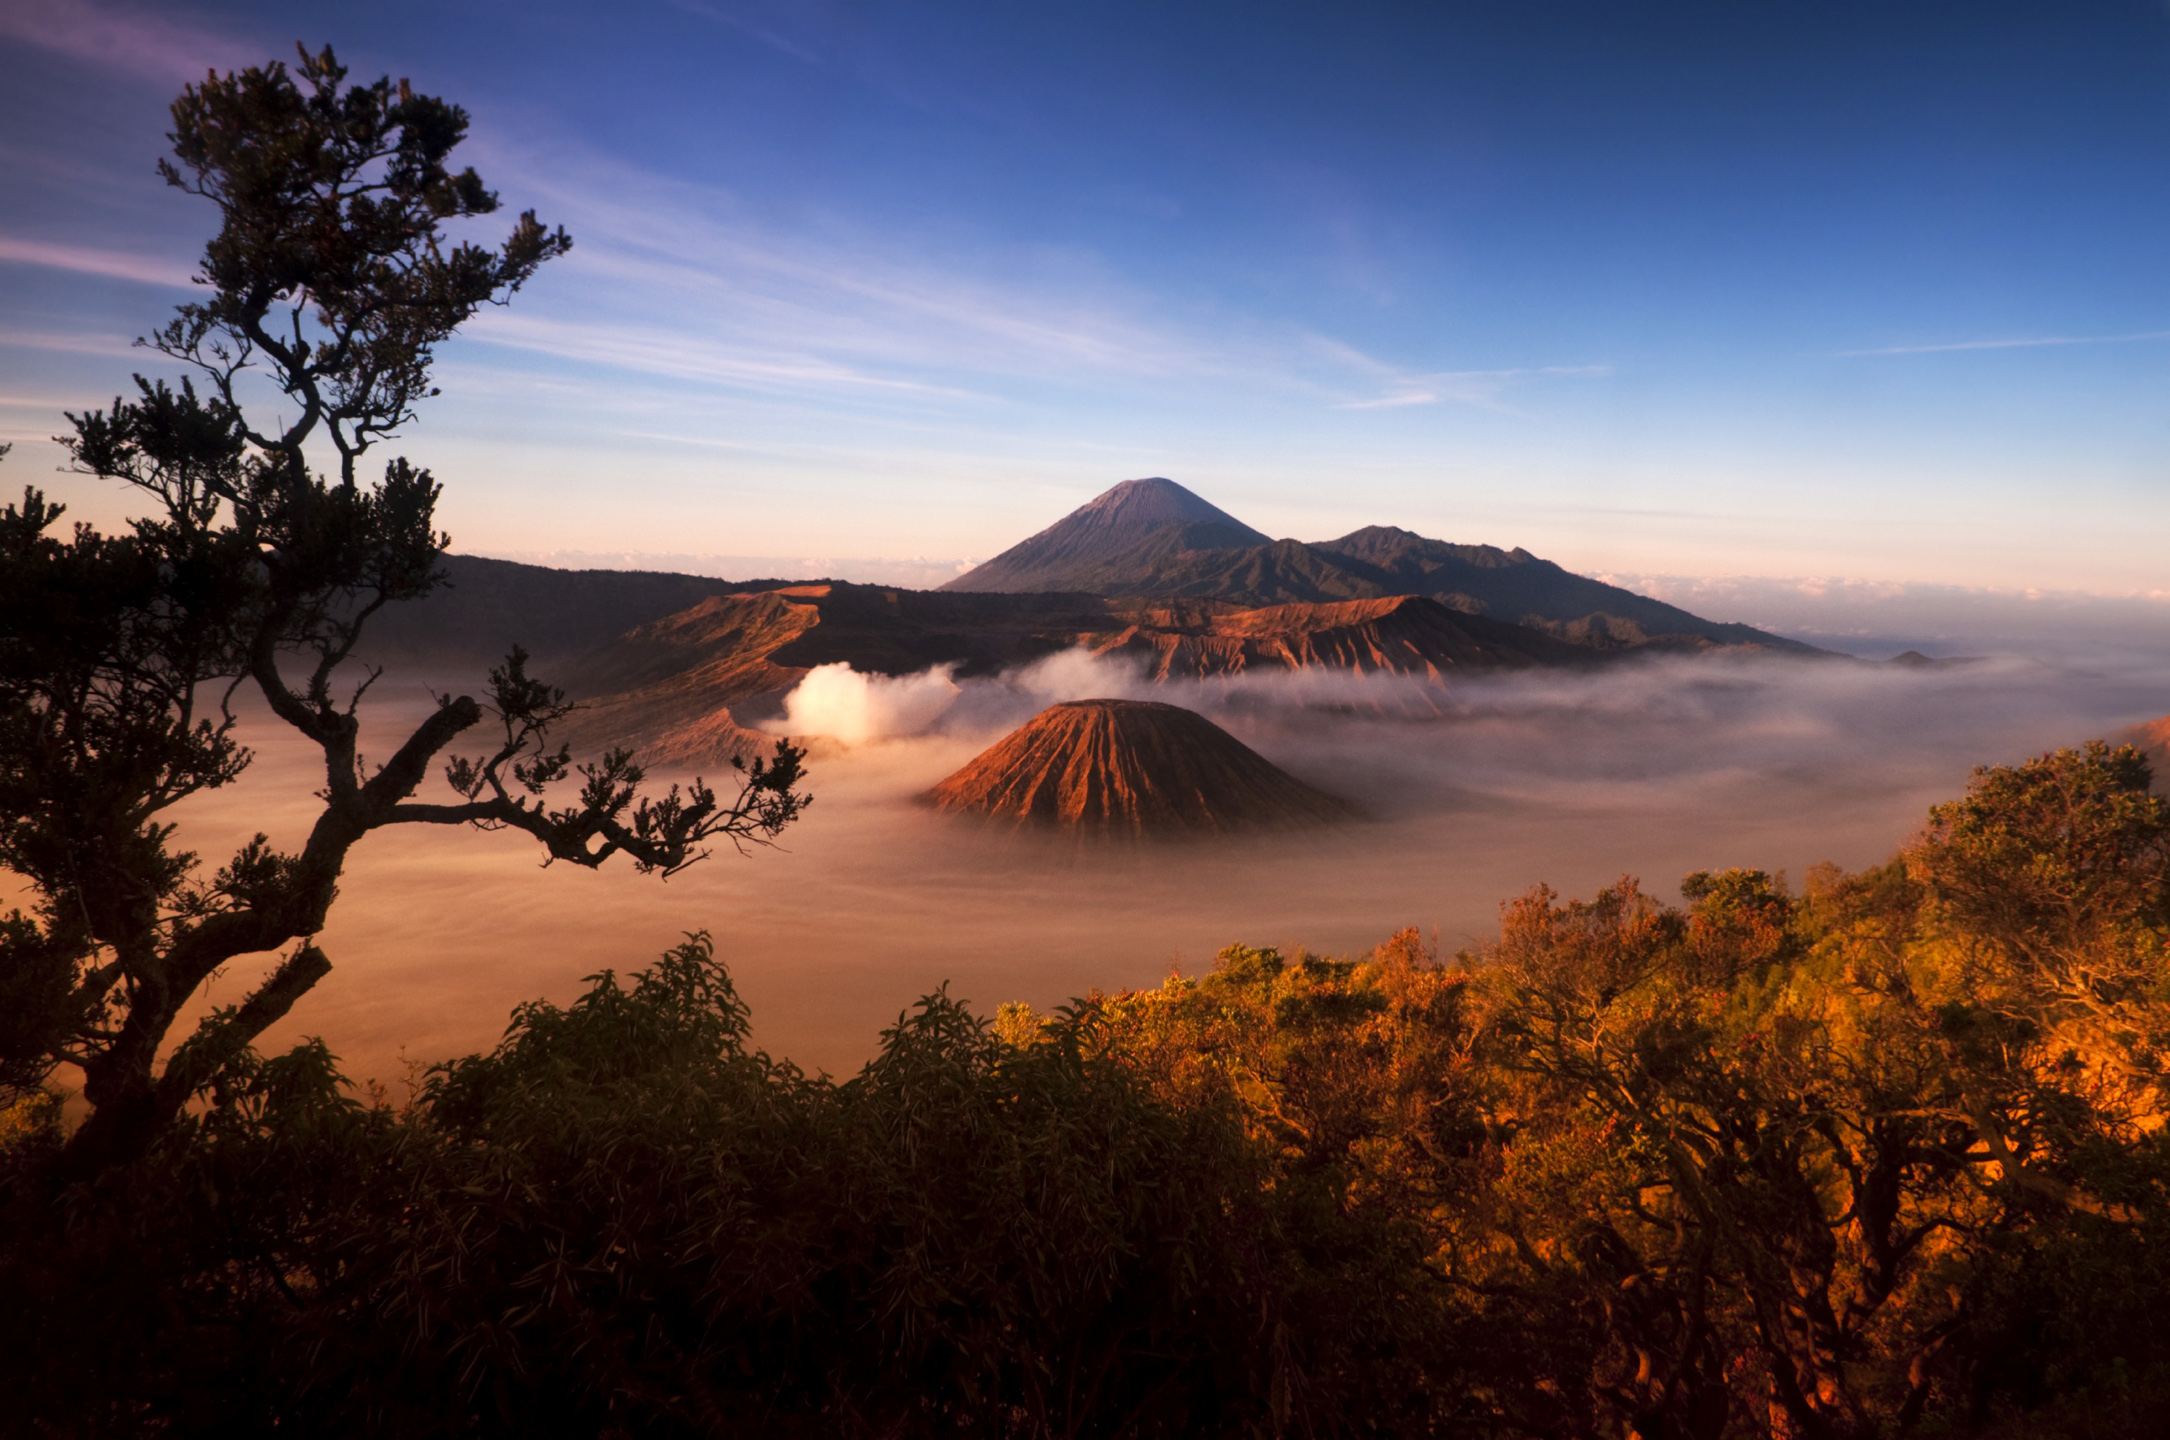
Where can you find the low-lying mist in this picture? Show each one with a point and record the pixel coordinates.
(1477, 790)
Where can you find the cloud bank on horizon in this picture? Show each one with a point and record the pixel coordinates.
(1854, 289)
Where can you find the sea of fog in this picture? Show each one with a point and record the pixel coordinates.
(1476, 792)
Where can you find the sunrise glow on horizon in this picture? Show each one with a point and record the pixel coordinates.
(1861, 291)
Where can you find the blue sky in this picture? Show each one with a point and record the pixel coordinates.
(1789, 289)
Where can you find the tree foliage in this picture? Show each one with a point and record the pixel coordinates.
(332, 279)
(1889, 1157)
(1835, 1164)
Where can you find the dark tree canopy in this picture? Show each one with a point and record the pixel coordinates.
(1833, 1166)
(332, 278)
(332, 202)
(1887, 1158)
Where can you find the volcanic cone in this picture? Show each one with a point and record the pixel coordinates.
(1132, 768)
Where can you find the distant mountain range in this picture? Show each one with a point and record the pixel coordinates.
(680, 666)
(1152, 537)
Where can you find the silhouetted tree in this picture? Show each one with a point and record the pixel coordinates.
(120, 655)
(1711, 1173)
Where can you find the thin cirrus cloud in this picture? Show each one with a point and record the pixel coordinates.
(79, 344)
(674, 263)
(665, 267)
(135, 41)
(1472, 387)
(880, 311)
(676, 355)
(1481, 388)
(651, 243)
(823, 35)
(92, 260)
(2024, 343)
(746, 25)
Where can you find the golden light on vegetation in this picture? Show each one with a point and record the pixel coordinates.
(1884, 1157)
(1886, 1154)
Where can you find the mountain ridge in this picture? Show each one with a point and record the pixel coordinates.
(689, 687)
(1117, 547)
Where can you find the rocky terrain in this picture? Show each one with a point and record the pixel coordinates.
(681, 667)
(685, 688)
(1131, 769)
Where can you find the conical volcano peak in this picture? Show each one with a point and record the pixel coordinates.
(1131, 769)
(1153, 502)
(1153, 515)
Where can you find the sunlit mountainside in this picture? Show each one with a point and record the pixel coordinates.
(1376, 988)
(2152, 740)
(1148, 574)
(1125, 769)
(1141, 540)
(683, 687)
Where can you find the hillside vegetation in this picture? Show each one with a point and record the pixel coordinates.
(1885, 1157)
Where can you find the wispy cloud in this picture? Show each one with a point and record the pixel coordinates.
(674, 267)
(2025, 343)
(883, 309)
(111, 345)
(836, 36)
(90, 260)
(746, 25)
(679, 279)
(657, 351)
(140, 42)
(1470, 387)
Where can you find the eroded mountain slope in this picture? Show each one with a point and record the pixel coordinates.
(1128, 770)
(688, 688)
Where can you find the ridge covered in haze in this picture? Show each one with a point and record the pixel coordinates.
(1152, 537)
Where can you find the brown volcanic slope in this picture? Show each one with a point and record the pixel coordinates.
(2152, 739)
(667, 688)
(1131, 769)
(1402, 634)
(683, 689)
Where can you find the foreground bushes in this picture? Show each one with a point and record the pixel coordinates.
(1887, 1157)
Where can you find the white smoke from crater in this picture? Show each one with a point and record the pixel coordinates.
(838, 702)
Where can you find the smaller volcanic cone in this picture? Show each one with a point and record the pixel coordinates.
(1131, 768)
